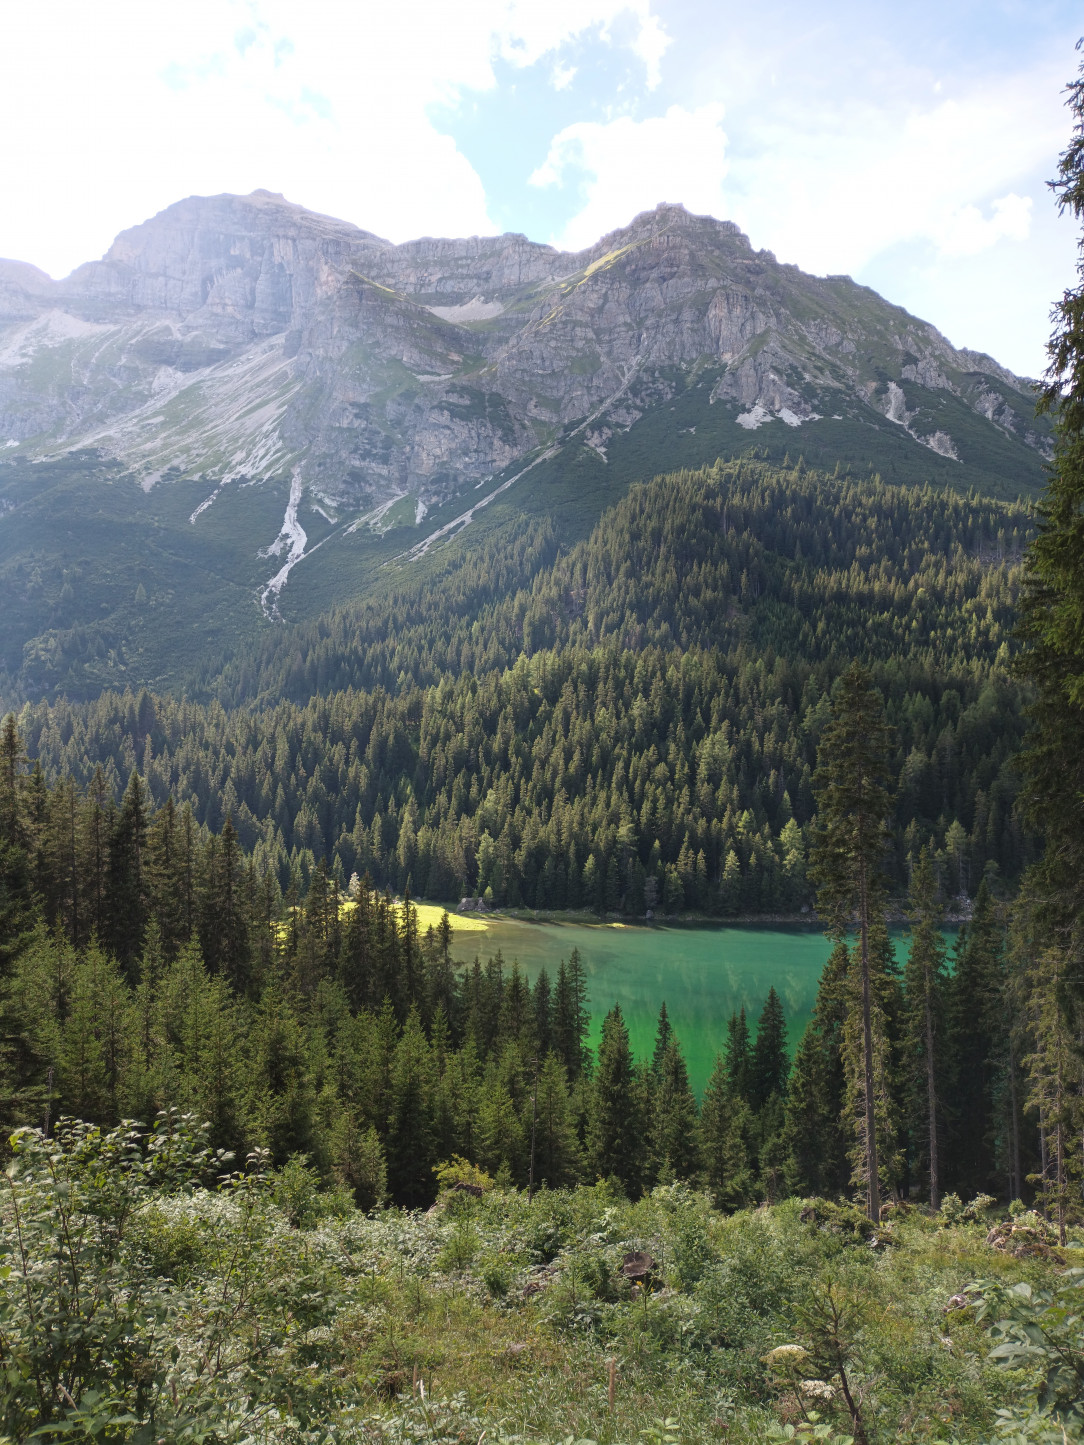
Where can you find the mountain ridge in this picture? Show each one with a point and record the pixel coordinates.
(247, 411)
(464, 354)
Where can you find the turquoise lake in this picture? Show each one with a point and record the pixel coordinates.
(702, 974)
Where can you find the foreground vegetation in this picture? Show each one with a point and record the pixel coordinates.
(151, 1292)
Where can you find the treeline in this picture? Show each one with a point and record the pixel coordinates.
(586, 779)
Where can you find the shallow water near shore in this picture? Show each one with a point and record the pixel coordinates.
(703, 974)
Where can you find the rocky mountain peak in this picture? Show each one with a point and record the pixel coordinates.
(245, 338)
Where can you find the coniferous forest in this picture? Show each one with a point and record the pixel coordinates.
(284, 1163)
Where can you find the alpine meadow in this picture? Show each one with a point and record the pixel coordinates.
(367, 605)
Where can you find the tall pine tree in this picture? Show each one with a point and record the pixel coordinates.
(847, 865)
(616, 1134)
(1052, 606)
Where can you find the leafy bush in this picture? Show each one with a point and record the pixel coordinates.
(1039, 1332)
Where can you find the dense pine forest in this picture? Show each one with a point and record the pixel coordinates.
(153, 970)
(152, 964)
(644, 716)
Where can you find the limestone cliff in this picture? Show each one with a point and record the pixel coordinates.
(239, 338)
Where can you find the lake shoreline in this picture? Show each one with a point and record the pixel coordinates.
(585, 918)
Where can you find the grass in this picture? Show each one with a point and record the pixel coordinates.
(429, 916)
(266, 1307)
(513, 1311)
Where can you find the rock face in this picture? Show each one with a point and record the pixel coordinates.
(240, 338)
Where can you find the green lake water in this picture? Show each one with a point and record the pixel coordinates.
(702, 974)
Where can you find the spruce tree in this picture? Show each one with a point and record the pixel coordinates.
(214, 1083)
(570, 1016)
(1052, 605)
(714, 1120)
(64, 811)
(459, 1103)
(410, 1118)
(515, 1020)
(357, 972)
(359, 1162)
(440, 978)
(615, 1130)
(663, 1034)
(502, 1133)
(126, 901)
(811, 1121)
(737, 1056)
(557, 1152)
(848, 861)
(831, 1011)
(36, 814)
(410, 950)
(977, 1038)
(96, 828)
(280, 1097)
(674, 1144)
(144, 1094)
(542, 1007)
(82, 1073)
(770, 1062)
(16, 883)
(164, 879)
(772, 1148)
(13, 826)
(725, 1141)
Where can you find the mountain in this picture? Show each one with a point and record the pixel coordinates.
(240, 384)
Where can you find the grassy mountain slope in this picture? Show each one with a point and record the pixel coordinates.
(128, 592)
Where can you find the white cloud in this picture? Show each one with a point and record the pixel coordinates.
(108, 114)
(625, 166)
(651, 45)
(562, 76)
(967, 231)
(835, 192)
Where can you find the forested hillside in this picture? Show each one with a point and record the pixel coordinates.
(745, 557)
(638, 722)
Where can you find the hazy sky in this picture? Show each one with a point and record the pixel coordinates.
(907, 146)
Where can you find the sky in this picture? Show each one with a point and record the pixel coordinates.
(910, 149)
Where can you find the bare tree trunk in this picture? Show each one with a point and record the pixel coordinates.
(857, 1424)
(1016, 1186)
(931, 1099)
(1060, 1137)
(874, 1183)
